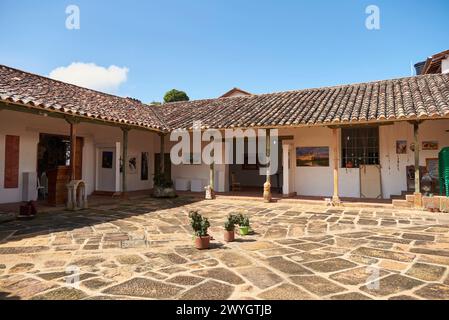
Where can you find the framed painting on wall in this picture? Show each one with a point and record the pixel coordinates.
(312, 156)
(144, 166)
(401, 146)
(106, 159)
(430, 145)
(132, 165)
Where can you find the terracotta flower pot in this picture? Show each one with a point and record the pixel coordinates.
(202, 243)
(229, 236)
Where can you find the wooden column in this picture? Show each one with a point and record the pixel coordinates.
(210, 192)
(125, 131)
(267, 185)
(162, 157)
(418, 195)
(73, 126)
(335, 197)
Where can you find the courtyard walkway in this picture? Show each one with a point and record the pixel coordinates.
(143, 249)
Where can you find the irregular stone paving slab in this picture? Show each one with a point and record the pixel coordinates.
(185, 280)
(413, 236)
(232, 259)
(21, 267)
(129, 259)
(287, 266)
(62, 294)
(358, 276)
(392, 284)
(330, 265)
(285, 292)
(402, 297)
(96, 283)
(210, 290)
(52, 275)
(20, 250)
(426, 272)
(350, 296)
(434, 291)
(146, 288)
(385, 254)
(259, 276)
(318, 285)
(430, 252)
(220, 274)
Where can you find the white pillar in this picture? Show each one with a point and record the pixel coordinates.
(117, 167)
(285, 170)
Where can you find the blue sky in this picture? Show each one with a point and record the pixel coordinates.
(206, 47)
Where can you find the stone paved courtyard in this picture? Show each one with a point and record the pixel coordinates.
(143, 249)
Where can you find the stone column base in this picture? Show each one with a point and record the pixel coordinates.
(417, 200)
(267, 192)
(336, 201)
(210, 193)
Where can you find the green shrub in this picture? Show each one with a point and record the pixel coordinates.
(160, 180)
(199, 223)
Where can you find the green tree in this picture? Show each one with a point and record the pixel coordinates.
(175, 95)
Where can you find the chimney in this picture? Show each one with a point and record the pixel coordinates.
(445, 65)
(419, 66)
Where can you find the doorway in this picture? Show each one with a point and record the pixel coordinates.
(53, 166)
(107, 170)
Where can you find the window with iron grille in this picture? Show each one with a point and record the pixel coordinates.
(359, 146)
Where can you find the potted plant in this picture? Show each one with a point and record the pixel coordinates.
(200, 226)
(163, 187)
(243, 222)
(229, 226)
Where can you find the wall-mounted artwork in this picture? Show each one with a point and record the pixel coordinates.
(430, 145)
(312, 156)
(401, 147)
(132, 165)
(106, 159)
(144, 166)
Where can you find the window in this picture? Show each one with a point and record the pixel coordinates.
(359, 146)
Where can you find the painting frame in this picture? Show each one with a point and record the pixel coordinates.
(144, 165)
(132, 164)
(312, 156)
(401, 146)
(107, 158)
(430, 145)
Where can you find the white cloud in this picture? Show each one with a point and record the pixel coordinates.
(91, 76)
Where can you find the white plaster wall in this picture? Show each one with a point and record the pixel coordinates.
(445, 65)
(28, 127)
(394, 177)
(311, 181)
(199, 171)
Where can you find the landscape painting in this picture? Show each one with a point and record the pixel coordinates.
(312, 156)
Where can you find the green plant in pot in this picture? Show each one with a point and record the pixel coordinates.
(200, 226)
(243, 222)
(229, 225)
(163, 187)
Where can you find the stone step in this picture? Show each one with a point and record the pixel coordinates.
(397, 203)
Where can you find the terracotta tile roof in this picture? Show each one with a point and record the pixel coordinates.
(35, 91)
(418, 97)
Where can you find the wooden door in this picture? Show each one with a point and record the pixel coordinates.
(12, 148)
